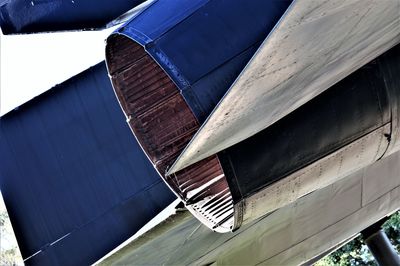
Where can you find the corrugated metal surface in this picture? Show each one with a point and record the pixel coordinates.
(163, 124)
(199, 48)
(156, 112)
(75, 181)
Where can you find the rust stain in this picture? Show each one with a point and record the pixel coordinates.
(163, 124)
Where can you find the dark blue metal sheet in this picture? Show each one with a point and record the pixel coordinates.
(160, 18)
(211, 88)
(74, 180)
(24, 16)
(203, 45)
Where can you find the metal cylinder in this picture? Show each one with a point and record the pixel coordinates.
(169, 66)
(381, 248)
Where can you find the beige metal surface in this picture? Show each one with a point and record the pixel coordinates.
(316, 44)
(317, 175)
(289, 236)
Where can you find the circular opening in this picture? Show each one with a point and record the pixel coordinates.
(163, 124)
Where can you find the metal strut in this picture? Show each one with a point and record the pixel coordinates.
(379, 245)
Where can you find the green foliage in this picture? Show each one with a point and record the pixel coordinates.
(392, 230)
(3, 219)
(8, 257)
(356, 252)
(9, 254)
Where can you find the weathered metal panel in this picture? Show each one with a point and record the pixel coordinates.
(316, 44)
(74, 180)
(351, 109)
(340, 131)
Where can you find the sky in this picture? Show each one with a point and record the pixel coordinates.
(30, 64)
(26, 58)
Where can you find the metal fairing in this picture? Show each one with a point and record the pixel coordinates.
(168, 79)
(315, 44)
(75, 182)
(342, 130)
(349, 110)
(22, 16)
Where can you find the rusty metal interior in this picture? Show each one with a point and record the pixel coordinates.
(163, 124)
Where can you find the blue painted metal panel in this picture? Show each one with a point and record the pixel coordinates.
(203, 45)
(160, 18)
(74, 180)
(23, 16)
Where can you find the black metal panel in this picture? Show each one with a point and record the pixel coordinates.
(74, 180)
(350, 109)
(379, 244)
(29, 16)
